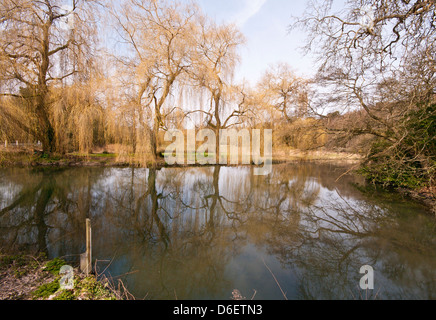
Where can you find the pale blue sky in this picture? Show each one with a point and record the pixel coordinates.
(265, 25)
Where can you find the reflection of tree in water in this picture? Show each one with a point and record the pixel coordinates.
(19, 221)
(180, 227)
(44, 211)
(166, 216)
(180, 235)
(341, 235)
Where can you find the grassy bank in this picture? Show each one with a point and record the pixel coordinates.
(27, 277)
(26, 158)
(30, 158)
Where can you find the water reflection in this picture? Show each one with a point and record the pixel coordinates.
(198, 233)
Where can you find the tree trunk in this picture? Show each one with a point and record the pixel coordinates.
(153, 133)
(48, 142)
(217, 98)
(46, 131)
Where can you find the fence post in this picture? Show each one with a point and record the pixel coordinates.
(16, 142)
(6, 143)
(86, 258)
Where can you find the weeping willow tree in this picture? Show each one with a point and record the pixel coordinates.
(11, 129)
(216, 60)
(159, 37)
(44, 46)
(79, 121)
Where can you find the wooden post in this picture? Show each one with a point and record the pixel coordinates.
(88, 245)
(6, 143)
(16, 142)
(86, 258)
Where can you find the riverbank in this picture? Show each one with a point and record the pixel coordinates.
(26, 158)
(30, 158)
(316, 155)
(28, 277)
(426, 196)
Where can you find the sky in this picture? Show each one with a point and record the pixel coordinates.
(265, 25)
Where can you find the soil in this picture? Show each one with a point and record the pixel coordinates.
(21, 275)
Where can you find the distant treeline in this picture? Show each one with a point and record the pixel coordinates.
(80, 75)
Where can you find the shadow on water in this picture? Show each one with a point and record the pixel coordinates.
(199, 233)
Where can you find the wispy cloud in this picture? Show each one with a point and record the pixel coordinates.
(250, 9)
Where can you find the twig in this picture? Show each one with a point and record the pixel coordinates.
(126, 292)
(375, 298)
(345, 173)
(125, 274)
(353, 294)
(284, 295)
(252, 298)
(110, 262)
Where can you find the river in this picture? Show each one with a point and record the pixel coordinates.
(201, 232)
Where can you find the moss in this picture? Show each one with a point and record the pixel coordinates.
(90, 288)
(46, 290)
(6, 261)
(54, 266)
(66, 295)
(14, 261)
(87, 288)
(44, 276)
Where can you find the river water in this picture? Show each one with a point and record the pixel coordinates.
(201, 232)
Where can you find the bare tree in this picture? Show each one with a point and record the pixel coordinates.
(284, 91)
(378, 56)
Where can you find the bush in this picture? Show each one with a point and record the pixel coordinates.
(411, 161)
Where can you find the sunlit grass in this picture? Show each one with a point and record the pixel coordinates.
(94, 155)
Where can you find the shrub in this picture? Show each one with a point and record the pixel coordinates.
(411, 161)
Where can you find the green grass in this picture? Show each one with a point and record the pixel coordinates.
(94, 155)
